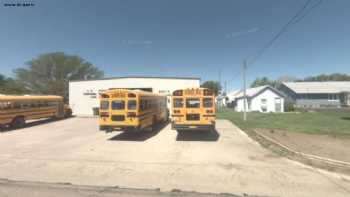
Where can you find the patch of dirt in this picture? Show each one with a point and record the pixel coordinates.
(333, 147)
(301, 144)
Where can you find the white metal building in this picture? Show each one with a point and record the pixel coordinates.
(262, 99)
(84, 95)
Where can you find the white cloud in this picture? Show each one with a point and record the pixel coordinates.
(243, 32)
(137, 42)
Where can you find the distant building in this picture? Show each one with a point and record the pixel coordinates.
(231, 97)
(84, 95)
(261, 99)
(318, 94)
(221, 100)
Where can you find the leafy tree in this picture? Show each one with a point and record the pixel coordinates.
(263, 81)
(50, 73)
(10, 86)
(286, 78)
(2, 80)
(213, 85)
(331, 77)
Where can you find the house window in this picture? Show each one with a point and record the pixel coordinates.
(333, 97)
(303, 96)
(278, 105)
(264, 105)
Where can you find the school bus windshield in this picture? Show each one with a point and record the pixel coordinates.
(118, 105)
(192, 103)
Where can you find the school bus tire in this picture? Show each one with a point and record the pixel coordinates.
(102, 128)
(109, 130)
(167, 115)
(154, 123)
(18, 122)
(2, 127)
(68, 114)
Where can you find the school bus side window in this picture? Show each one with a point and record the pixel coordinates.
(16, 105)
(147, 104)
(104, 105)
(5, 105)
(52, 104)
(178, 103)
(207, 102)
(143, 105)
(132, 104)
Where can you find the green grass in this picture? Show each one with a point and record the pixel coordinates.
(334, 123)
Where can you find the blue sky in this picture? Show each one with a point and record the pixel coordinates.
(180, 37)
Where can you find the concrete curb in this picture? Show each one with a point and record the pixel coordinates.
(318, 161)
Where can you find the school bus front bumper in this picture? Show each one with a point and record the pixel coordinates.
(110, 128)
(176, 126)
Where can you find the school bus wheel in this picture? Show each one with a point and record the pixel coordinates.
(18, 122)
(167, 115)
(2, 127)
(68, 114)
(154, 123)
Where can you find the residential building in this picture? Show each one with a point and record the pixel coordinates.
(331, 94)
(261, 99)
(221, 100)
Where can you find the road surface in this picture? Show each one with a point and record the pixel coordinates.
(20, 188)
(227, 161)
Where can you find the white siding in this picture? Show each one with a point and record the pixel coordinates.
(82, 104)
(255, 103)
(240, 105)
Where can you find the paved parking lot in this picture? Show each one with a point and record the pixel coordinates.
(227, 161)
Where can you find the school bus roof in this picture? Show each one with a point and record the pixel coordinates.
(141, 92)
(30, 97)
(193, 89)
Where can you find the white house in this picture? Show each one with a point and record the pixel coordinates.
(84, 95)
(262, 99)
(221, 100)
(232, 95)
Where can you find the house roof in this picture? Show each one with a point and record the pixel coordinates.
(232, 95)
(252, 92)
(319, 87)
(143, 77)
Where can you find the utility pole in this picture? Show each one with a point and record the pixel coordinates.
(244, 91)
(220, 78)
(225, 87)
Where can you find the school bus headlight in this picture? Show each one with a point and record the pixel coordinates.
(104, 115)
(176, 111)
(209, 111)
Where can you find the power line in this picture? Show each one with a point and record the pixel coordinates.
(300, 15)
(308, 11)
(235, 77)
(304, 11)
(295, 19)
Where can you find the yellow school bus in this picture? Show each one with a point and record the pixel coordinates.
(131, 110)
(193, 109)
(15, 110)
